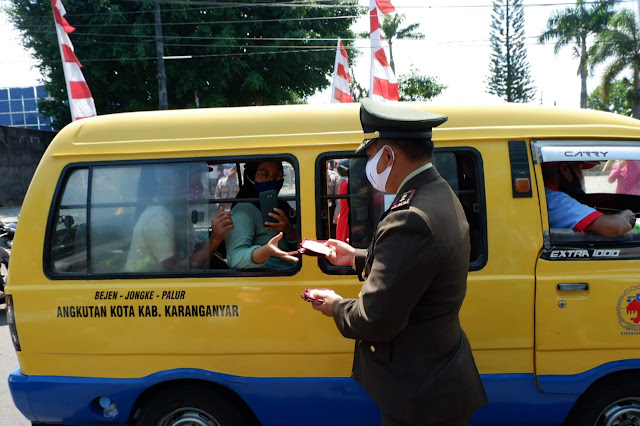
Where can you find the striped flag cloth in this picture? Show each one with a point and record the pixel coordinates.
(384, 86)
(80, 99)
(340, 90)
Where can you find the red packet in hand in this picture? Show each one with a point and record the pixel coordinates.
(313, 248)
(306, 295)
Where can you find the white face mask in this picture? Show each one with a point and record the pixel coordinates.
(379, 180)
(228, 172)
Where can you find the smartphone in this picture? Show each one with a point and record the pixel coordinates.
(268, 202)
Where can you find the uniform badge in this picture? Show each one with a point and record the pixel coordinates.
(404, 199)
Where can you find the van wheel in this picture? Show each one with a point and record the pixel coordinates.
(188, 406)
(616, 404)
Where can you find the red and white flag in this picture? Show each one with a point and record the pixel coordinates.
(340, 90)
(384, 86)
(80, 99)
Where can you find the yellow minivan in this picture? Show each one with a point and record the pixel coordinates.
(106, 336)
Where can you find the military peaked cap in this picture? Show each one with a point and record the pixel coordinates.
(392, 121)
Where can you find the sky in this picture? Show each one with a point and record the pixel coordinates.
(455, 50)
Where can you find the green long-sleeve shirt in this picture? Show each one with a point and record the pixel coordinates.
(248, 234)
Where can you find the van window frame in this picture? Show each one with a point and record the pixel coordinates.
(205, 273)
(544, 151)
(321, 182)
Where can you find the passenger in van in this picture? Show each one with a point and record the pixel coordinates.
(163, 238)
(569, 207)
(253, 243)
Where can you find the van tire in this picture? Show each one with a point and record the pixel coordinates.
(179, 404)
(601, 404)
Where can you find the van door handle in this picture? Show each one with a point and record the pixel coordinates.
(573, 286)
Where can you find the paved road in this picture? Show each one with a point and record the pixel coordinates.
(9, 414)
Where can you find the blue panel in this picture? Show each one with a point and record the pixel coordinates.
(4, 94)
(17, 119)
(16, 106)
(275, 401)
(41, 93)
(31, 119)
(32, 127)
(28, 93)
(5, 120)
(30, 105)
(15, 93)
(46, 127)
(44, 119)
(4, 106)
(577, 383)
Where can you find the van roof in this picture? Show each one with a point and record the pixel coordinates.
(332, 124)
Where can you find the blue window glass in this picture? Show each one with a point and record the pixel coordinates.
(14, 92)
(31, 127)
(30, 105)
(28, 93)
(4, 106)
(44, 119)
(40, 92)
(4, 94)
(18, 119)
(48, 128)
(31, 119)
(16, 106)
(5, 120)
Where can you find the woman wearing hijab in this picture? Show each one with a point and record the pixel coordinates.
(253, 243)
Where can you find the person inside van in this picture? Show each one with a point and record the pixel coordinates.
(163, 237)
(253, 243)
(569, 207)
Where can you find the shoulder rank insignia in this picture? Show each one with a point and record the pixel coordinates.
(404, 199)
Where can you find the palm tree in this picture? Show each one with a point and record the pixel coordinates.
(390, 30)
(620, 42)
(574, 25)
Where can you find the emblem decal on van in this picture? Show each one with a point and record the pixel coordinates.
(629, 310)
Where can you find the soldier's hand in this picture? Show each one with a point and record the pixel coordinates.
(327, 297)
(342, 254)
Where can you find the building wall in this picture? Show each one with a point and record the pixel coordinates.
(20, 153)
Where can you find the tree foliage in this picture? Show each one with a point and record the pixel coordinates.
(509, 76)
(241, 55)
(418, 87)
(573, 26)
(620, 43)
(618, 101)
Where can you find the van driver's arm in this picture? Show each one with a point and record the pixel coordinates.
(613, 225)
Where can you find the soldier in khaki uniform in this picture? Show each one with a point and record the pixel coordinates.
(411, 355)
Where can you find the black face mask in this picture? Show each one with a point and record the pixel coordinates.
(574, 188)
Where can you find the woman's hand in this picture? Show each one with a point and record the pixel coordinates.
(342, 254)
(282, 225)
(220, 225)
(271, 249)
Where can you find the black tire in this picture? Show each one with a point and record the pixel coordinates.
(201, 405)
(609, 403)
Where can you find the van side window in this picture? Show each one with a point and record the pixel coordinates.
(581, 194)
(68, 249)
(163, 218)
(348, 208)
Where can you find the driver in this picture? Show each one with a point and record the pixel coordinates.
(569, 206)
